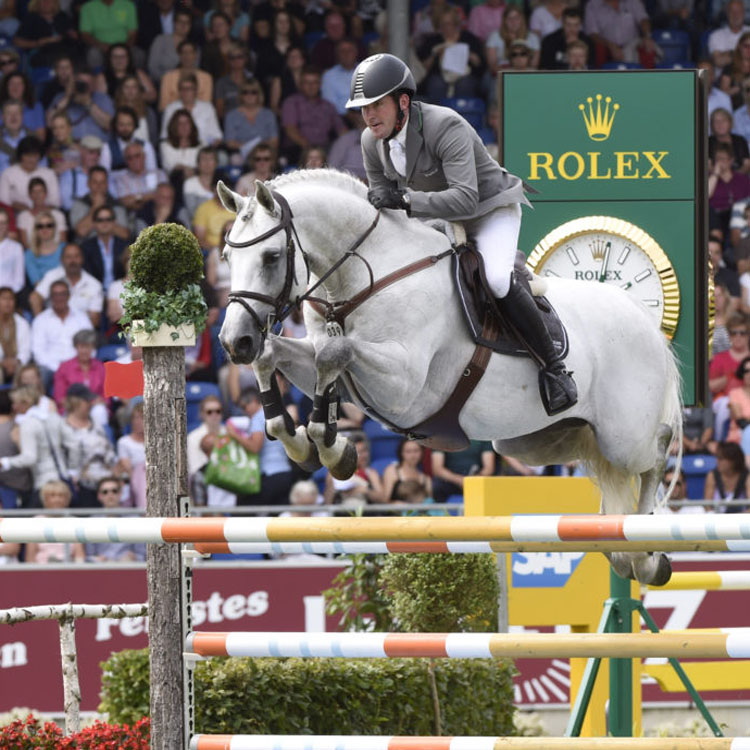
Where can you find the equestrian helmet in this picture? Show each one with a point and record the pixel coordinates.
(378, 76)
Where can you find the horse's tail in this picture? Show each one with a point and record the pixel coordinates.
(672, 412)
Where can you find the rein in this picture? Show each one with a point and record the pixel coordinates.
(334, 312)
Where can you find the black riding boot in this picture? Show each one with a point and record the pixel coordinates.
(557, 387)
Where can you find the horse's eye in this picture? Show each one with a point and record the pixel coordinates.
(270, 257)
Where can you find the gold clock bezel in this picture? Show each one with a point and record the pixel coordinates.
(630, 232)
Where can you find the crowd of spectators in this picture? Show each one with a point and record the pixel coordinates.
(119, 114)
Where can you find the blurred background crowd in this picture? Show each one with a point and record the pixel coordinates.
(119, 114)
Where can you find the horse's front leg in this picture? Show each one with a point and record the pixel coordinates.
(295, 358)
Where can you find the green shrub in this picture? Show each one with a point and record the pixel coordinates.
(166, 257)
(327, 696)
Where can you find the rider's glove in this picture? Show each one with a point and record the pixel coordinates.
(390, 197)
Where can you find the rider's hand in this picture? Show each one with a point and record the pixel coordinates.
(391, 197)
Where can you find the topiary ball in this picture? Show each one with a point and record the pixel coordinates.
(166, 257)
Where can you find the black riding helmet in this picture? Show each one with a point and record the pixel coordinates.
(378, 76)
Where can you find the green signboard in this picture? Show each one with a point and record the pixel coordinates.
(618, 160)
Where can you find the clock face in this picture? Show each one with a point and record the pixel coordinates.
(607, 250)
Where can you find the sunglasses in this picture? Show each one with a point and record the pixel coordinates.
(737, 332)
(262, 158)
(44, 226)
(212, 411)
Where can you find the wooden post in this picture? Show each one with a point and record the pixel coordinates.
(166, 481)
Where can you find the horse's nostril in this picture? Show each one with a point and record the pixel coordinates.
(244, 345)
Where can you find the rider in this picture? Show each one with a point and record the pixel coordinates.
(436, 166)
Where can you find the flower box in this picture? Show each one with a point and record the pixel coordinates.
(165, 335)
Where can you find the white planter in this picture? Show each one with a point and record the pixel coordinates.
(164, 336)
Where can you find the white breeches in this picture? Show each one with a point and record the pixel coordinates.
(497, 240)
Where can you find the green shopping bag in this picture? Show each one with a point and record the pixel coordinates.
(233, 468)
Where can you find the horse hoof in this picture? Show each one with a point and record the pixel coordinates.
(347, 464)
(312, 463)
(663, 571)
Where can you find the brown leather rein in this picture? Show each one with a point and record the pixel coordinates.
(334, 313)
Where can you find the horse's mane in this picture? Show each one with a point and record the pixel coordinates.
(335, 178)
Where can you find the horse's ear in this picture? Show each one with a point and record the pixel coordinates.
(264, 197)
(229, 199)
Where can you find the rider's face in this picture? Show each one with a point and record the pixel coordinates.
(380, 117)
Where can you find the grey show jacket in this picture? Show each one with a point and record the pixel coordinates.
(449, 174)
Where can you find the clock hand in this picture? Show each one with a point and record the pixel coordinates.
(605, 263)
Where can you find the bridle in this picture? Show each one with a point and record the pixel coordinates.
(281, 304)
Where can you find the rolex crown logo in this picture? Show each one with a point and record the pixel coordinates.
(598, 248)
(599, 118)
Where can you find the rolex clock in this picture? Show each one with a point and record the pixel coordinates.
(612, 251)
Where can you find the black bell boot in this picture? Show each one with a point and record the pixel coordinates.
(556, 385)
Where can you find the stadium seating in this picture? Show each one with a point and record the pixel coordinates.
(695, 467)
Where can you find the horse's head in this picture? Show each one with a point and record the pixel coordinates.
(266, 271)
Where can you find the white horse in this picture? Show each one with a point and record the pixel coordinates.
(406, 346)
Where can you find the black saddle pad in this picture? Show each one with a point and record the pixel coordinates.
(477, 306)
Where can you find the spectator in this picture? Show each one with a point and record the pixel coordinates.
(722, 274)
(124, 127)
(578, 55)
(513, 27)
(114, 309)
(555, 45)
(53, 329)
(74, 182)
(90, 111)
(546, 18)
(679, 493)
(83, 368)
(45, 33)
(199, 188)
(722, 41)
(15, 336)
(55, 495)
(210, 412)
(261, 163)
(271, 52)
(15, 87)
(15, 484)
(520, 55)
(313, 158)
(14, 181)
(723, 308)
(725, 186)
(721, 132)
(364, 486)
(622, 31)
(156, 18)
(89, 452)
(39, 204)
(485, 18)
(86, 293)
(109, 495)
(169, 91)
(250, 122)
(12, 133)
(450, 469)
(722, 370)
(427, 20)
(303, 494)
(336, 81)
(289, 80)
(62, 153)
(30, 376)
(179, 152)
(443, 78)
(39, 442)
(346, 152)
(164, 208)
(228, 86)
(162, 54)
(131, 448)
(739, 402)
(102, 252)
(214, 58)
(98, 196)
(119, 66)
(106, 22)
(203, 113)
(308, 120)
(238, 19)
(698, 430)
(129, 94)
(209, 220)
(732, 77)
(729, 480)
(407, 468)
(44, 251)
(12, 263)
(323, 54)
(136, 185)
(63, 80)
(716, 98)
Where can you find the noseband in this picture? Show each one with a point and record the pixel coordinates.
(279, 303)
